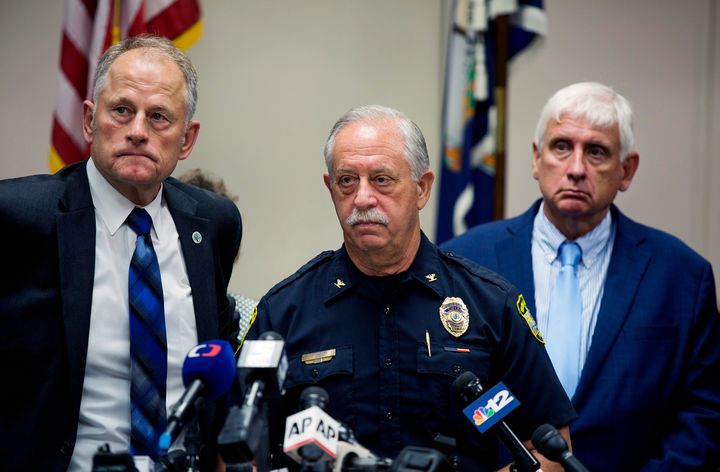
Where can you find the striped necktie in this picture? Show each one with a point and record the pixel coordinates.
(565, 322)
(148, 344)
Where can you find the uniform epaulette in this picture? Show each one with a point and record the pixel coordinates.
(314, 262)
(475, 269)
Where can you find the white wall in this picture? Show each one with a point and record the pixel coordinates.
(275, 74)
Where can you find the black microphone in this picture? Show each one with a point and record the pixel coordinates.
(467, 387)
(173, 461)
(261, 369)
(552, 445)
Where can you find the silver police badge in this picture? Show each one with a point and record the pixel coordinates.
(454, 316)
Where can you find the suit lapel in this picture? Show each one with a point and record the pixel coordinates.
(628, 264)
(199, 260)
(76, 252)
(510, 262)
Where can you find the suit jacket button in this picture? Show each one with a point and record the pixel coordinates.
(66, 448)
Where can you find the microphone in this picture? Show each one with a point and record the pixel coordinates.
(311, 435)
(552, 445)
(486, 410)
(208, 372)
(173, 461)
(261, 368)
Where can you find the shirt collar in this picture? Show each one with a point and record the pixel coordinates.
(113, 207)
(425, 269)
(550, 238)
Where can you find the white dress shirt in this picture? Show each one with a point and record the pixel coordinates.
(105, 403)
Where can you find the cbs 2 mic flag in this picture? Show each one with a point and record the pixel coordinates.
(89, 28)
(469, 121)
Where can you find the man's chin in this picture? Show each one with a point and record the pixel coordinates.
(369, 241)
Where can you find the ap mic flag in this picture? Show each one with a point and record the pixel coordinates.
(470, 108)
(89, 28)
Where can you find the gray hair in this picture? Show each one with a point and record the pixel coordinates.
(414, 142)
(597, 103)
(158, 45)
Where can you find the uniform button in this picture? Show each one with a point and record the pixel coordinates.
(389, 415)
(314, 373)
(388, 362)
(387, 310)
(456, 369)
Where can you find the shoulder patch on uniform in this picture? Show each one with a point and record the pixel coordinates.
(524, 311)
(314, 262)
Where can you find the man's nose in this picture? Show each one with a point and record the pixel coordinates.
(576, 164)
(137, 132)
(365, 196)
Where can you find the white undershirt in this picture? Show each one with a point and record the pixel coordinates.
(105, 403)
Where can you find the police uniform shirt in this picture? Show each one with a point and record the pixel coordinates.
(370, 351)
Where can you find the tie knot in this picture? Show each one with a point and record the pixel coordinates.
(570, 254)
(139, 221)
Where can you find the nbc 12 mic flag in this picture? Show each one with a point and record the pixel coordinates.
(89, 28)
(467, 173)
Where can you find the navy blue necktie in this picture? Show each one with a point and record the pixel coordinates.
(148, 344)
(565, 321)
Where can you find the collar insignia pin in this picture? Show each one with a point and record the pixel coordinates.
(339, 283)
(431, 277)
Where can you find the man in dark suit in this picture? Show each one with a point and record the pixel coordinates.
(647, 391)
(64, 325)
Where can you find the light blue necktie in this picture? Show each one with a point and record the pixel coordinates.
(565, 321)
(148, 344)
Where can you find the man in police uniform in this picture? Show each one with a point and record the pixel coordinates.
(388, 321)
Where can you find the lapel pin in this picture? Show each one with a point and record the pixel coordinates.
(197, 237)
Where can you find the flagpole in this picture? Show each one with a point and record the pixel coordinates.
(502, 35)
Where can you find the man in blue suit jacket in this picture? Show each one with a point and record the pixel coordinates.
(648, 396)
(64, 324)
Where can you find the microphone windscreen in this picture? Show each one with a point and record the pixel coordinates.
(314, 396)
(213, 363)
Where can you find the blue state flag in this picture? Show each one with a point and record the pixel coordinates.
(467, 173)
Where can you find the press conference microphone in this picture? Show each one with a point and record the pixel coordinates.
(208, 372)
(552, 445)
(173, 461)
(261, 369)
(467, 387)
(311, 435)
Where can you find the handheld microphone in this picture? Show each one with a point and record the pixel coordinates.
(552, 445)
(311, 435)
(208, 372)
(261, 368)
(487, 410)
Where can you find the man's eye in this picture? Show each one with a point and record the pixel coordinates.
(122, 110)
(345, 180)
(562, 146)
(157, 117)
(597, 151)
(383, 180)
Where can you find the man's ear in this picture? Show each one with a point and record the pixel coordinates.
(189, 140)
(424, 186)
(535, 160)
(629, 166)
(87, 126)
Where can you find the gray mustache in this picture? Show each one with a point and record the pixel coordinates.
(371, 215)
